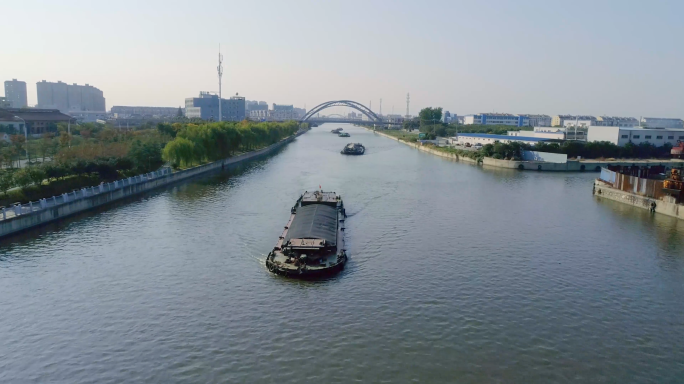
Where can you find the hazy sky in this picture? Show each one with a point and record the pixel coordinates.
(590, 57)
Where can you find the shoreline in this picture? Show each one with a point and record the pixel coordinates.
(28, 216)
(570, 166)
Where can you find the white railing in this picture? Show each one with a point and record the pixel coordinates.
(32, 206)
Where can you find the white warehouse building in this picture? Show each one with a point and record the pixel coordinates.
(637, 135)
(484, 138)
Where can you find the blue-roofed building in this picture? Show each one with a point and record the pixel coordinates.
(483, 138)
(497, 119)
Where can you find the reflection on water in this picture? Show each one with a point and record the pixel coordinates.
(457, 273)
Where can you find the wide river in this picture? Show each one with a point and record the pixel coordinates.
(457, 273)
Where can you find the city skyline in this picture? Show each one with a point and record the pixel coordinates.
(531, 57)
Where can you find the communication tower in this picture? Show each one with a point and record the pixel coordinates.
(408, 100)
(219, 69)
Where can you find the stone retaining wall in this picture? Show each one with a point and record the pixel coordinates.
(667, 206)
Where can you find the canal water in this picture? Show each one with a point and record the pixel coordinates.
(457, 273)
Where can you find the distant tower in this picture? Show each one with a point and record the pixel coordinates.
(408, 100)
(219, 69)
(380, 107)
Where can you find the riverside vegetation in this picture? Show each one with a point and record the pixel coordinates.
(428, 122)
(94, 153)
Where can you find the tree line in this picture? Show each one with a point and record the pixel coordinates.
(195, 144)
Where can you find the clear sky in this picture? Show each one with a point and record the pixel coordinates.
(581, 57)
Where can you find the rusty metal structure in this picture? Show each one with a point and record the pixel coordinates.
(647, 181)
(674, 185)
(652, 188)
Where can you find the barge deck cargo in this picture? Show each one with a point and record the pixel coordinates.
(312, 243)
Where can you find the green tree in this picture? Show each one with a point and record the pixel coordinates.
(45, 145)
(7, 155)
(179, 151)
(36, 174)
(18, 142)
(430, 116)
(6, 181)
(22, 178)
(146, 156)
(411, 124)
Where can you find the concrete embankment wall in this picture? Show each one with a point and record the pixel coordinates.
(667, 206)
(573, 165)
(569, 166)
(40, 217)
(430, 149)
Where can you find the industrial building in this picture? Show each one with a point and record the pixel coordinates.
(658, 122)
(616, 121)
(537, 120)
(496, 119)
(483, 138)
(70, 98)
(15, 94)
(560, 120)
(636, 135)
(554, 133)
(206, 107)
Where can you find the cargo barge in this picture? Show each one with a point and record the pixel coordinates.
(353, 149)
(312, 243)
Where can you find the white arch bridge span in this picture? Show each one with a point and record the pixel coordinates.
(372, 117)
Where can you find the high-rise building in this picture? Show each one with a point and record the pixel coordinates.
(286, 112)
(15, 93)
(70, 98)
(206, 107)
(256, 110)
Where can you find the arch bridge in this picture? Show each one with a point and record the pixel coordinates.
(372, 117)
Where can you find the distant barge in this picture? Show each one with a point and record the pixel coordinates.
(353, 149)
(312, 243)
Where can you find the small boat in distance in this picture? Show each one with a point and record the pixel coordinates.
(336, 130)
(343, 134)
(312, 243)
(353, 149)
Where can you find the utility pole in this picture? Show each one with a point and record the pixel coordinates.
(408, 99)
(219, 69)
